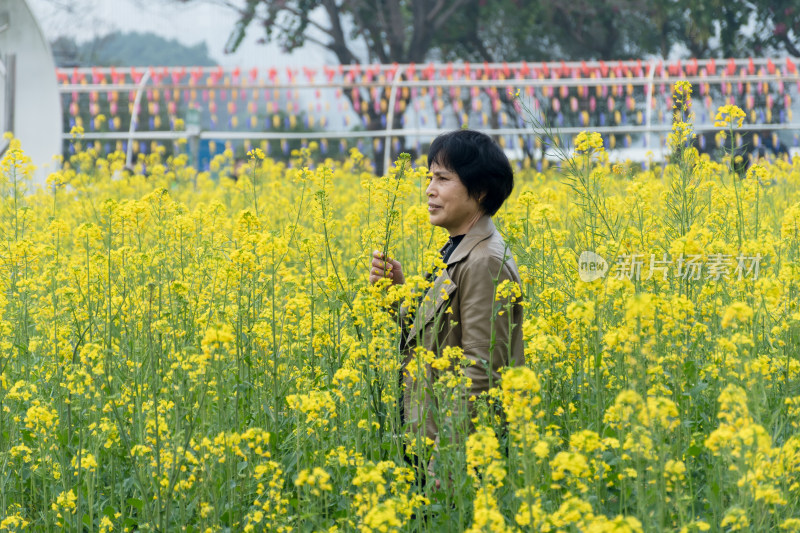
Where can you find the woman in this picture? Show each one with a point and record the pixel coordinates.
(470, 178)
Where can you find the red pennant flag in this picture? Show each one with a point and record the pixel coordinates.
(429, 71)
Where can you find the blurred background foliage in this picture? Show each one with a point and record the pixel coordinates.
(134, 49)
(406, 31)
(413, 31)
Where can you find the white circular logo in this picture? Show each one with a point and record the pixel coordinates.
(591, 266)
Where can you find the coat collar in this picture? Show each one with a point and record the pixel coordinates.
(480, 231)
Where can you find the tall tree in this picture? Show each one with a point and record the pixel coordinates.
(355, 31)
(405, 31)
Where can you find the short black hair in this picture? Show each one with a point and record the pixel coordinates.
(480, 163)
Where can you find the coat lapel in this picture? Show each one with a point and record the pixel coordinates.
(433, 302)
(443, 287)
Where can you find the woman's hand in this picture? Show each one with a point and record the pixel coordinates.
(385, 268)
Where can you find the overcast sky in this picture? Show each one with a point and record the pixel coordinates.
(188, 23)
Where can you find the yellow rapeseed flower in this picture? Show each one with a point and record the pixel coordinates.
(727, 116)
(589, 143)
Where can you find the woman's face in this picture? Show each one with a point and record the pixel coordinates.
(449, 204)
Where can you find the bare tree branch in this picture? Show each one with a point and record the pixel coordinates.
(790, 46)
(372, 36)
(311, 22)
(441, 20)
(434, 11)
(339, 44)
(395, 31)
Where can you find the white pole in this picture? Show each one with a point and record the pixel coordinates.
(134, 117)
(390, 123)
(649, 102)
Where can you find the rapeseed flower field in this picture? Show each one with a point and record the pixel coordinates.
(201, 351)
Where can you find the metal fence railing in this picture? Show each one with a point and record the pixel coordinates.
(402, 106)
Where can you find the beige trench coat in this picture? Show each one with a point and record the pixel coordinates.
(460, 310)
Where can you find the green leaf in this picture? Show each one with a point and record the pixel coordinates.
(700, 387)
(135, 503)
